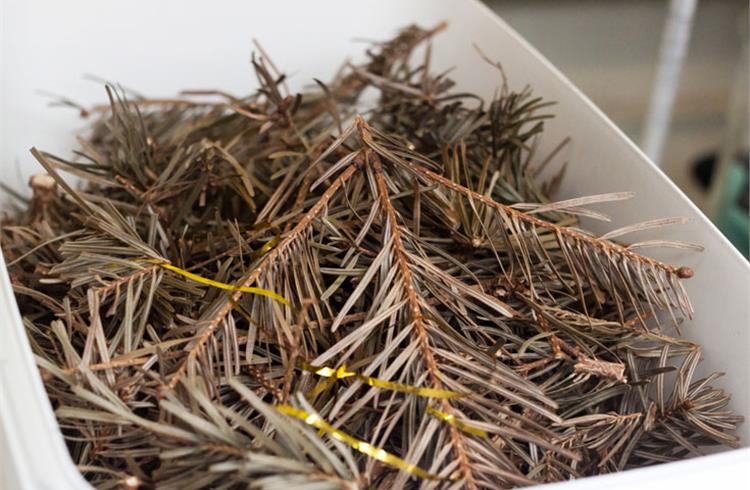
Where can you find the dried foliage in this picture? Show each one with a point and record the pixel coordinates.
(442, 309)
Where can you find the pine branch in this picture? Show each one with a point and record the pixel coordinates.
(653, 276)
(106, 288)
(415, 312)
(445, 310)
(225, 305)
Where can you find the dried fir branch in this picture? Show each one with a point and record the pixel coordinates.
(483, 338)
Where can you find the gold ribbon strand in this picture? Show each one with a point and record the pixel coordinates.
(217, 284)
(342, 372)
(374, 452)
(452, 420)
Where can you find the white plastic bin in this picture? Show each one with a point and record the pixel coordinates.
(161, 47)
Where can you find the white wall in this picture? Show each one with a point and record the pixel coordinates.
(609, 50)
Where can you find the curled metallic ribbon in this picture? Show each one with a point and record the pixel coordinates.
(316, 421)
(266, 247)
(217, 284)
(342, 372)
(452, 420)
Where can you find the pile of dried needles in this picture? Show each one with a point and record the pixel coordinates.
(276, 292)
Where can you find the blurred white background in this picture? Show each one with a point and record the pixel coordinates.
(609, 49)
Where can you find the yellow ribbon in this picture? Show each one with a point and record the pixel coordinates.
(342, 372)
(316, 421)
(319, 388)
(266, 247)
(220, 285)
(452, 420)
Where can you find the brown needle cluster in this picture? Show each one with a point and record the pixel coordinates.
(448, 324)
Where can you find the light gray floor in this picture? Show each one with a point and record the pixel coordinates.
(609, 50)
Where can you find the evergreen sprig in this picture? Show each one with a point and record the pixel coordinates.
(415, 248)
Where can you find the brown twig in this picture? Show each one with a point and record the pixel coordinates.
(415, 310)
(253, 275)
